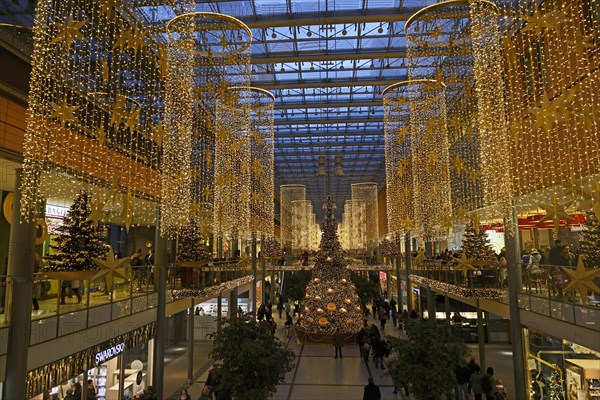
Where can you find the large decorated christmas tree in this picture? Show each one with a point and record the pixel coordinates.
(79, 241)
(589, 244)
(331, 300)
(476, 245)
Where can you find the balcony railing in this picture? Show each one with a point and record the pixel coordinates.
(541, 291)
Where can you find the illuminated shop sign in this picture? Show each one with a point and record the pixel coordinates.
(109, 353)
(56, 211)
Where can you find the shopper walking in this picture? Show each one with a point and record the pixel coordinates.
(280, 307)
(360, 339)
(488, 385)
(463, 374)
(378, 352)
(372, 391)
(338, 343)
(475, 382)
(394, 316)
(91, 390)
(382, 317)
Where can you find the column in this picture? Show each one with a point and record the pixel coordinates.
(447, 307)
(190, 351)
(431, 305)
(514, 287)
(233, 304)
(252, 305)
(408, 251)
(160, 265)
(219, 310)
(398, 261)
(21, 260)
(481, 339)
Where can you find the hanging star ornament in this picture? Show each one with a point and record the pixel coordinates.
(69, 31)
(127, 211)
(582, 280)
(464, 264)
(420, 256)
(555, 212)
(101, 135)
(97, 213)
(110, 266)
(63, 112)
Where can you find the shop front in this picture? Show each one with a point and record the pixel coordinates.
(559, 369)
(118, 369)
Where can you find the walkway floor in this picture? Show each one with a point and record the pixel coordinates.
(319, 376)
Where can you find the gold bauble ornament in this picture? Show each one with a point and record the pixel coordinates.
(317, 280)
(347, 301)
(317, 298)
(344, 281)
(331, 306)
(306, 309)
(330, 291)
(320, 311)
(343, 310)
(307, 296)
(357, 309)
(329, 259)
(310, 320)
(323, 321)
(350, 322)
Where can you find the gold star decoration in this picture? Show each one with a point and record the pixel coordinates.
(515, 129)
(69, 31)
(118, 108)
(539, 20)
(556, 211)
(591, 197)
(458, 164)
(206, 192)
(582, 280)
(223, 41)
(137, 40)
(133, 119)
(105, 71)
(402, 133)
(97, 213)
(127, 211)
(473, 175)
(207, 157)
(464, 264)
(402, 168)
(101, 135)
(63, 112)
(447, 223)
(257, 168)
(408, 223)
(108, 8)
(158, 133)
(544, 115)
(110, 267)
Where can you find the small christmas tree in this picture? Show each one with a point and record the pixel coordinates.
(78, 242)
(389, 248)
(589, 244)
(271, 248)
(476, 244)
(555, 387)
(189, 244)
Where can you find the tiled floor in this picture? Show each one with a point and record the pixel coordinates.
(318, 375)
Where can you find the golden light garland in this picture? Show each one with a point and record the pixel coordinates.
(213, 50)
(95, 93)
(302, 220)
(456, 42)
(288, 194)
(244, 163)
(553, 112)
(355, 226)
(367, 192)
(398, 161)
(416, 121)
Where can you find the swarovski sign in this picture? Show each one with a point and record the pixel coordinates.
(110, 352)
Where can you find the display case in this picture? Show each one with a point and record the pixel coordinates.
(99, 375)
(583, 379)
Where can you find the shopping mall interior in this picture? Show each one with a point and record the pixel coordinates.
(414, 184)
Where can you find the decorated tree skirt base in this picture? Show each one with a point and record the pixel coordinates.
(322, 339)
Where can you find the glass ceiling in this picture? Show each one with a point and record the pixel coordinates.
(326, 62)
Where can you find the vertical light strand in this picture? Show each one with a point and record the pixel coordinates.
(367, 192)
(356, 226)
(301, 225)
(288, 194)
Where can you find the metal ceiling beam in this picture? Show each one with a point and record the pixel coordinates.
(326, 153)
(314, 18)
(339, 55)
(332, 104)
(291, 134)
(327, 144)
(324, 121)
(328, 84)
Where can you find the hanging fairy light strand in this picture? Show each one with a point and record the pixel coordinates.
(288, 194)
(367, 192)
(89, 128)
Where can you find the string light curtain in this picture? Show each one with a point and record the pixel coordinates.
(95, 90)
(218, 48)
(552, 77)
(288, 194)
(398, 160)
(456, 43)
(367, 192)
(355, 213)
(302, 211)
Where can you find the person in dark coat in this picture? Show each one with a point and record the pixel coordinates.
(372, 391)
(338, 342)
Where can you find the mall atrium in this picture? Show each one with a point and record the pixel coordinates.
(173, 170)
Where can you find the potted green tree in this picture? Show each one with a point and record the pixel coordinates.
(249, 362)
